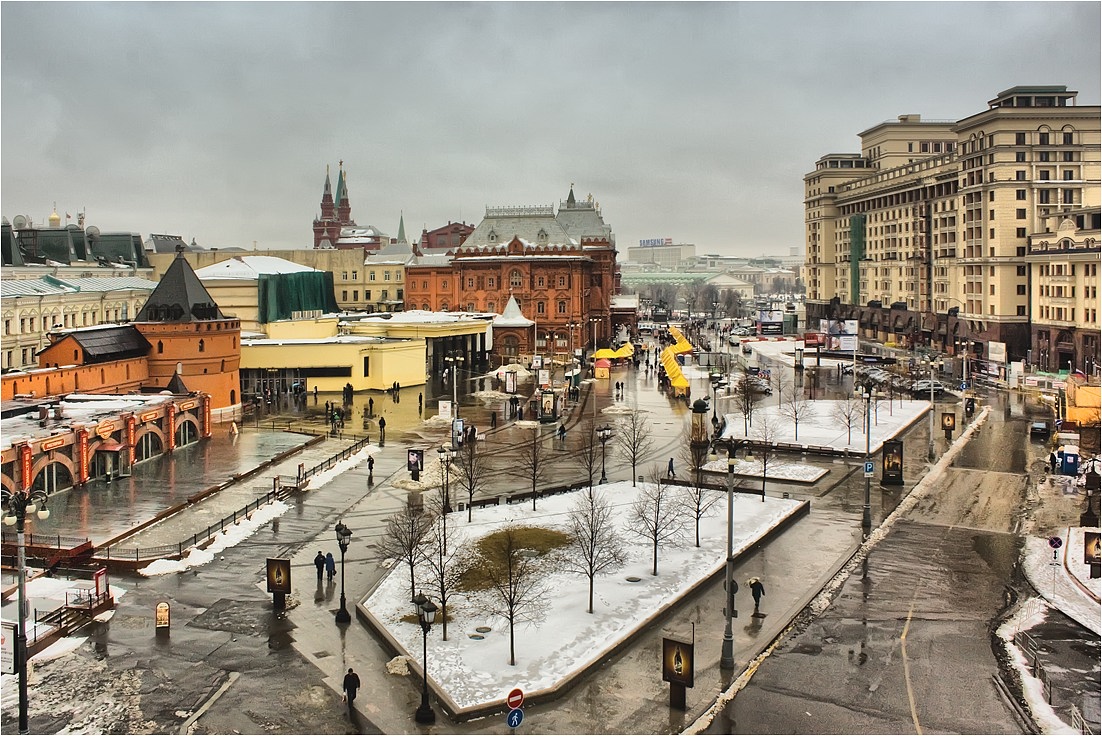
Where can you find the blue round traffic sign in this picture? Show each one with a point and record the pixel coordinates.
(516, 715)
(1055, 542)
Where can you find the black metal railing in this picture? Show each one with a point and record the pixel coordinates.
(340, 456)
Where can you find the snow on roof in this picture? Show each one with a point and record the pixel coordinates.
(249, 268)
(79, 408)
(512, 316)
(419, 316)
(334, 340)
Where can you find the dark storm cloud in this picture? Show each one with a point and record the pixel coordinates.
(690, 121)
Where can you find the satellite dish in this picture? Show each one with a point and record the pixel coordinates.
(92, 232)
(19, 222)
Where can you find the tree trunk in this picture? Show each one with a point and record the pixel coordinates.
(590, 594)
(444, 618)
(654, 571)
(512, 651)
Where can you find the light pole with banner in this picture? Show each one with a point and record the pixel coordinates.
(17, 506)
(727, 653)
(869, 394)
(934, 365)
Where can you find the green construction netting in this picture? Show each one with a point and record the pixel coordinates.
(281, 294)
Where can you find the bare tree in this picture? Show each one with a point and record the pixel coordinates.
(745, 397)
(514, 577)
(633, 439)
(656, 515)
(766, 434)
(698, 501)
(596, 547)
(469, 468)
(401, 541)
(849, 412)
(795, 407)
(533, 461)
(442, 572)
(587, 456)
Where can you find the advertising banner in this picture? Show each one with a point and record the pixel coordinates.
(444, 410)
(544, 377)
(510, 382)
(891, 470)
(7, 647)
(996, 352)
(415, 460)
(1091, 553)
(279, 575)
(841, 334)
(677, 662)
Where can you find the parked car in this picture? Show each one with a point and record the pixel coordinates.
(920, 388)
(746, 350)
(1040, 430)
(733, 339)
(760, 385)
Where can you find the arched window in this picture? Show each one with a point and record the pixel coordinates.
(539, 282)
(444, 307)
(515, 279)
(160, 347)
(562, 307)
(202, 345)
(233, 397)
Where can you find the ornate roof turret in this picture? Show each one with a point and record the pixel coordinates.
(180, 296)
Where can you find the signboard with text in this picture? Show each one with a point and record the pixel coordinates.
(891, 462)
(677, 662)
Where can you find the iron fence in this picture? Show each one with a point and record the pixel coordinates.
(340, 456)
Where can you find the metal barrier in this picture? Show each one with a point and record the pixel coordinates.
(1030, 647)
(137, 554)
(340, 456)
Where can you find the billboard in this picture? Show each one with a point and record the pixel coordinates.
(841, 334)
(891, 468)
(996, 352)
(510, 382)
(279, 575)
(415, 460)
(677, 662)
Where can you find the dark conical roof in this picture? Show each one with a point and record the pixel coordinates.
(180, 297)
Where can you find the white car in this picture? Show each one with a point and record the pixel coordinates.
(920, 388)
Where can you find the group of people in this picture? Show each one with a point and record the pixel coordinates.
(325, 563)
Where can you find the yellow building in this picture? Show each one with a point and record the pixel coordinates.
(923, 236)
(313, 354)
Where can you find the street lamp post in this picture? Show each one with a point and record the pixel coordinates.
(935, 366)
(727, 654)
(426, 616)
(445, 464)
(718, 382)
(344, 535)
(869, 394)
(604, 434)
(455, 360)
(16, 507)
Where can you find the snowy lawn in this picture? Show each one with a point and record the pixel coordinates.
(475, 672)
(822, 427)
(775, 470)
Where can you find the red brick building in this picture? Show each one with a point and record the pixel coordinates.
(448, 237)
(560, 267)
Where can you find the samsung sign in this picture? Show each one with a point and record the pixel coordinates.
(655, 241)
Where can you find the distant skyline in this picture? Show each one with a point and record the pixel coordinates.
(690, 121)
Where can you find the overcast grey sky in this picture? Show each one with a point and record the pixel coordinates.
(690, 121)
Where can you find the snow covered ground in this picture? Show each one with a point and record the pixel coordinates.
(1065, 584)
(821, 427)
(775, 470)
(477, 671)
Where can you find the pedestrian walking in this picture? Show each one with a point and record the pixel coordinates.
(757, 590)
(315, 394)
(382, 428)
(493, 420)
(330, 566)
(370, 464)
(371, 407)
(319, 562)
(1052, 463)
(669, 469)
(350, 686)
(520, 413)
(562, 432)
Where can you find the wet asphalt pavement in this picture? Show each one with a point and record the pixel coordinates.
(233, 665)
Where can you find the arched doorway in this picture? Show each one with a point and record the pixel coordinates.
(149, 445)
(187, 433)
(52, 478)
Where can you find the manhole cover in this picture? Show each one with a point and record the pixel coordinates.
(482, 629)
(633, 579)
(476, 637)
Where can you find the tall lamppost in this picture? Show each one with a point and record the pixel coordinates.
(718, 382)
(869, 394)
(344, 535)
(550, 357)
(571, 326)
(445, 456)
(934, 366)
(426, 616)
(727, 653)
(454, 359)
(604, 434)
(16, 507)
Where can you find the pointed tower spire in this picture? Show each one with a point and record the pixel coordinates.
(402, 227)
(570, 197)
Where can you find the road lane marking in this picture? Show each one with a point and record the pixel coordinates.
(907, 668)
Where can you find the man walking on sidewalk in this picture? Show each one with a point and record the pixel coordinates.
(350, 686)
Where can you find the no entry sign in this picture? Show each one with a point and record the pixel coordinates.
(515, 699)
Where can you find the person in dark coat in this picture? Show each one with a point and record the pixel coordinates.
(1052, 462)
(330, 566)
(493, 420)
(669, 469)
(350, 686)
(319, 562)
(757, 590)
(382, 428)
